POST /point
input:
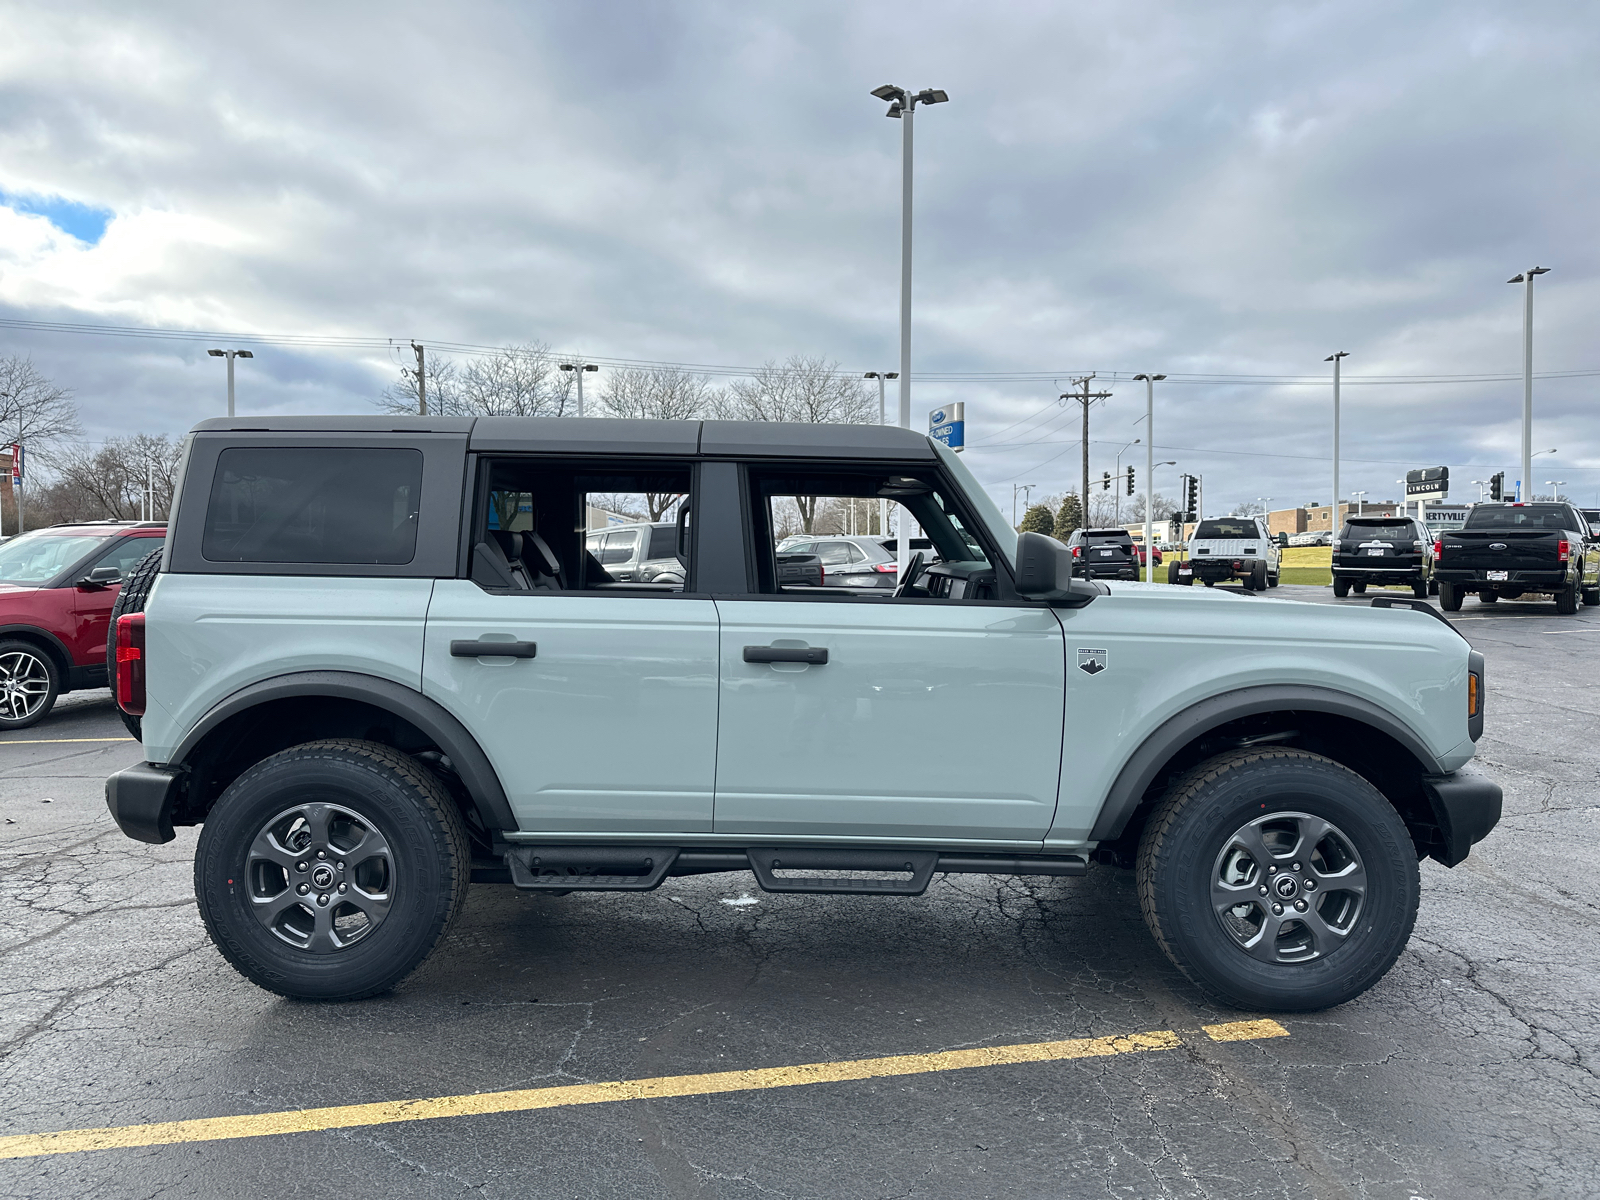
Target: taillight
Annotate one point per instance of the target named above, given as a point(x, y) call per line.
point(1438, 549)
point(1563, 549)
point(1472, 695)
point(130, 664)
point(1077, 551)
point(887, 568)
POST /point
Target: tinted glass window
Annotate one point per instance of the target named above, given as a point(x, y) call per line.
point(1227, 529)
point(126, 554)
point(619, 546)
point(1525, 516)
point(1400, 531)
point(663, 541)
point(834, 554)
point(36, 557)
point(277, 504)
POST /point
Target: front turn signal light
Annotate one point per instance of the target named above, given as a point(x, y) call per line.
point(1473, 697)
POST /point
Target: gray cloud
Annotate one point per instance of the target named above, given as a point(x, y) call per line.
point(1225, 189)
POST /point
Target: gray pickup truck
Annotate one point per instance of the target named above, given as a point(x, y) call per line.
point(1512, 550)
point(377, 661)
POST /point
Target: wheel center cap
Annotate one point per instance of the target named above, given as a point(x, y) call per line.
point(322, 877)
point(1286, 886)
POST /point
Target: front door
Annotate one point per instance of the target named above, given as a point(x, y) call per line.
point(934, 714)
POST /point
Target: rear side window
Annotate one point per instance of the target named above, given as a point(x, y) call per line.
point(663, 541)
point(280, 504)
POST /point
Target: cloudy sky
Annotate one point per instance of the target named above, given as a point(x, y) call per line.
point(1230, 190)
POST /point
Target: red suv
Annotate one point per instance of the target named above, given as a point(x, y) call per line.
point(57, 586)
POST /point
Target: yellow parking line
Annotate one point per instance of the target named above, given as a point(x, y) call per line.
point(58, 741)
point(213, 1129)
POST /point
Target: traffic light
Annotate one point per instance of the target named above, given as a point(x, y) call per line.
point(1130, 481)
point(1105, 481)
point(1497, 486)
point(1191, 496)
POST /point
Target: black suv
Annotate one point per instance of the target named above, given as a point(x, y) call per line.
point(1383, 550)
point(1103, 554)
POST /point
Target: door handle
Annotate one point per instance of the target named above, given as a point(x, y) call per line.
point(480, 649)
point(817, 656)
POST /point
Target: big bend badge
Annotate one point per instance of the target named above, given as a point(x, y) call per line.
point(1092, 662)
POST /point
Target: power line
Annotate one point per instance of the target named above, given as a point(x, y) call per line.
point(355, 342)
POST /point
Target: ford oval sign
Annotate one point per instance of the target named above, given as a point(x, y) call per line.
point(948, 425)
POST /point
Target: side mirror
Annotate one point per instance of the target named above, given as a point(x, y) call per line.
point(100, 578)
point(1044, 572)
point(799, 570)
point(1283, 540)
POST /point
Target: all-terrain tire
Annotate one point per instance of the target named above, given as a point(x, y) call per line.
point(1194, 833)
point(1449, 597)
point(427, 866)
point(131, 599)
point(1341, 588)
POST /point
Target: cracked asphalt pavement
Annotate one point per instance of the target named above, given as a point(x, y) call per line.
point(1470, 1071)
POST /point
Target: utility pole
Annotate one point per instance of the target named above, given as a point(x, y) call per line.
point(422, 381)
point(1086, 398)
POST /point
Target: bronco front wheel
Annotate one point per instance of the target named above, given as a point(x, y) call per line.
point(330, 870)
point(1278, 879)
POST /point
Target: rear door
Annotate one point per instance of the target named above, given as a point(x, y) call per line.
point(603, 719)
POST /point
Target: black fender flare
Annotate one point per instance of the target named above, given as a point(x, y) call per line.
point(1178, 731)
point(450, 735)
point(63, 655)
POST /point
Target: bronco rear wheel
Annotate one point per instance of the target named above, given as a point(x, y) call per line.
point(1278, 879)
point(329, 871)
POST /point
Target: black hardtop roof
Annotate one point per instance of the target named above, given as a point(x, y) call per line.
point(609, 435)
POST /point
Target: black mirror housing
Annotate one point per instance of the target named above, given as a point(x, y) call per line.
point(1044, 572)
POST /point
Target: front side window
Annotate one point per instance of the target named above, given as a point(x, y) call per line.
point(281, 504)
point(126, 554)
point(619, 546)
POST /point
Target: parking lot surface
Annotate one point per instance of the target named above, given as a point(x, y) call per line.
point(1469, 1071)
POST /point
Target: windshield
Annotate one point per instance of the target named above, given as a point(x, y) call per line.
point(994, 521)
point(1227, 529)
point(1522, 516)
point(37, 557)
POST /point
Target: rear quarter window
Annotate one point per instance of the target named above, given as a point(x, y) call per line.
point(307, 504)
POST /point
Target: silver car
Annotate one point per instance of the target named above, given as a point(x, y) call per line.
point(848, 560)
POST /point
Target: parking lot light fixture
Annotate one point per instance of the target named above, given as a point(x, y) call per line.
point(1149, 468)
point(903, 106)
point(1555, 486)
point(1361, 500)
point(230, 355)
point(579, 368)
point(1333, 513)
point(1526, 279)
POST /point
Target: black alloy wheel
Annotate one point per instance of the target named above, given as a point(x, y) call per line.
point(329, 871)
point(1278, 879)
point(30, 681)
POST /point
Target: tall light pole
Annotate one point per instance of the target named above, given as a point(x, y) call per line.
point(903, 106)
point(1149, 467)
point(580, 368)
point(1526, 279)
point(1555, 486)
point(230, 355)
point(1361, 499)
point(1027, 494)
point(1333, 513)
point(883, 419)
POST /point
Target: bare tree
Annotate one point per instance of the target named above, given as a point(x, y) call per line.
point(805, 388)
point(33, 409)
point(656, 393)
point(514, 381)
point(1248, 508)
point(1164, 508)
point(109, 481)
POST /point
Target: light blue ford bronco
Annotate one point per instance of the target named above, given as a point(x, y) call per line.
point(377, 663)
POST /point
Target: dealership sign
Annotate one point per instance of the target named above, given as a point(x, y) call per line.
point(949, 425)
point(1428, 483)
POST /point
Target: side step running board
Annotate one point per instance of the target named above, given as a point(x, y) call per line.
point(589, 868)
point(919, 863)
